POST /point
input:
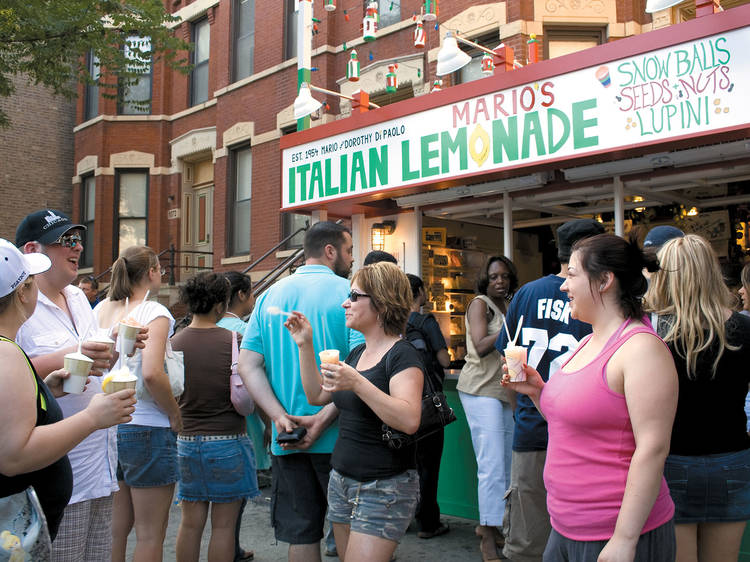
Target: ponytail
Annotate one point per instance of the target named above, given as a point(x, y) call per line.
point(129, 270)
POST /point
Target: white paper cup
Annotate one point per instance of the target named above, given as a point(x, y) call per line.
point(515, 357)
point(128, 334)
point(79, 366)
point(103, 338)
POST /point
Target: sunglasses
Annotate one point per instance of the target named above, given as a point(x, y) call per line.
point(69, 240)
point(354, 295)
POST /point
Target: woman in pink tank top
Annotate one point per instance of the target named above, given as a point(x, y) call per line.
point(610, 410)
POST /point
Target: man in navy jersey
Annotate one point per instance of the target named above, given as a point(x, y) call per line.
point(550, 336)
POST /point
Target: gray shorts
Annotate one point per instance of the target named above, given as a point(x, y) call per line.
point(658, 545)
point(382, 508)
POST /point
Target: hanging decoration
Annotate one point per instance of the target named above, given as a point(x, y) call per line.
point(533, 49)
point(488, 64)
point(437, 85)
point(330, 5)
point(419, 38)
point(369, 23)
point(391, 82)
point(352, 67)
point(430, 10)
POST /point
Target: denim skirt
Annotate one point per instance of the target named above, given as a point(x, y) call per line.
point(710, 488)
point(147, 456)
point(216, 468)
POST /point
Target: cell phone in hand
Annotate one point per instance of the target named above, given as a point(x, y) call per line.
point(291, 436)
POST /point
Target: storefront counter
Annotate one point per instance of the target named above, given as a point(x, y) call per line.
point(457, 486)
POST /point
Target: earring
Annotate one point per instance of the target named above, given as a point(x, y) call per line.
point(601, 287)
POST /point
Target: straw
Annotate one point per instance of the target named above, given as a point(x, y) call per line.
point(145, 297)
point(518, 330)
point(127, 306)
point(80, 343)
point(507, 333)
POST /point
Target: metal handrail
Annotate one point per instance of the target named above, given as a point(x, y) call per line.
point(269, 278)
point(277, 246)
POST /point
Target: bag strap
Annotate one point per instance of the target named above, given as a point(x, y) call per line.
point(40, 395)
point(235, 353)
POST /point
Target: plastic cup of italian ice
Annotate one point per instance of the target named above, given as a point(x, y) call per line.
point(79, 366)
point(515, 357)
point(329, 356)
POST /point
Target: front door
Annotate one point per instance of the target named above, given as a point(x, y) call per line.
point(198, 197)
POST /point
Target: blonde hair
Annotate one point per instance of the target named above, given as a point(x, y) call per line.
point(390, 294)
point(689, 287)
point(129, 270)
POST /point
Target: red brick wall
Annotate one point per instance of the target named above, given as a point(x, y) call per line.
point(36, 154)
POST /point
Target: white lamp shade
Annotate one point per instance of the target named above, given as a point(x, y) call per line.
point(450, 57)
point(656, 5)
point(305, 104)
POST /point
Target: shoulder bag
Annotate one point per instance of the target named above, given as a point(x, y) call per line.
point(174, 366)
point(23, 528)
point(436, 414)
point(241, 400)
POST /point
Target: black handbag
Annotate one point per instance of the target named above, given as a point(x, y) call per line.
point(436, 414)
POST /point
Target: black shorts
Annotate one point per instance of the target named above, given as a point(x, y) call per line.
point(299, 496)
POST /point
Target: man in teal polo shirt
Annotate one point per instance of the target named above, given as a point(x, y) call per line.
point(269, 367)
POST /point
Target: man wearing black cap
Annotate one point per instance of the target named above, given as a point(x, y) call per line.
point(550, 336)
point(63, 316)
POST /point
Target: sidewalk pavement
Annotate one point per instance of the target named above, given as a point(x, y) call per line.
point(460, 544)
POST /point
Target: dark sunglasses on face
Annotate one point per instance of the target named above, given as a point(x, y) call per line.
point(354, 295)
point(69, 240)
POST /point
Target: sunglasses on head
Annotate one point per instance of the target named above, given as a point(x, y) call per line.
point(69, 240)
point(354, 295)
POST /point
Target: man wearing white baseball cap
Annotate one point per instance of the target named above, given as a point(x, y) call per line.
point(63, 316)
point(35, 438)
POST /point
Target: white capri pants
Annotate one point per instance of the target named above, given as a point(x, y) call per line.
point(491, 424)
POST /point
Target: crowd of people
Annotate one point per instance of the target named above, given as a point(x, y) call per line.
point(627, 438)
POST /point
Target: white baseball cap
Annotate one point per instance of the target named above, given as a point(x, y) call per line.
point(15, 267)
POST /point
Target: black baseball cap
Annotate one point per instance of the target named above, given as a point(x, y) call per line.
point(660, 235)
point(571, 232)
point(44, 226)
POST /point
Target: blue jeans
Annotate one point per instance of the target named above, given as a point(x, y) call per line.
point(710, 488)
point(216, 468)
point(147, 455)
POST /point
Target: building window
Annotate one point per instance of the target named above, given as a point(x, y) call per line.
point(91, 98)
point(244, 38)
point(291, 8)
point(132, 193)
point(88, 201)
point(290, 222)
point(239, 203)
point(199, 75)
point(559, 40)
point(389, 12)
point(135, 92)
point(473, 70)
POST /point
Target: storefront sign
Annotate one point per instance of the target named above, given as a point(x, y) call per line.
point(686, 89)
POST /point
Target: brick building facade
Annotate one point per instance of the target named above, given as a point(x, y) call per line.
point(200, 169)
point(36, 152)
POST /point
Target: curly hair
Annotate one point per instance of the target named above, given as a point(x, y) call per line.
point(204, 291)
point(390, 294)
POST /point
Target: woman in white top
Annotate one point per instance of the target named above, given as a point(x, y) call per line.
point(147, 450)
point(489, 406)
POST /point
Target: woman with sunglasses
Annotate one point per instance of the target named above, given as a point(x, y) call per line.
point(373, 489)
point(147, 447)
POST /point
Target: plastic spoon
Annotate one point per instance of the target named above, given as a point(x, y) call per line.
point(518, 330)
point(277, 310)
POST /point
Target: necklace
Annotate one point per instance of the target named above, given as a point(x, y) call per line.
point(233, 314)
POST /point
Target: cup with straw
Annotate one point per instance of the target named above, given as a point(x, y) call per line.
point(79, 366)
point(515, 355)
